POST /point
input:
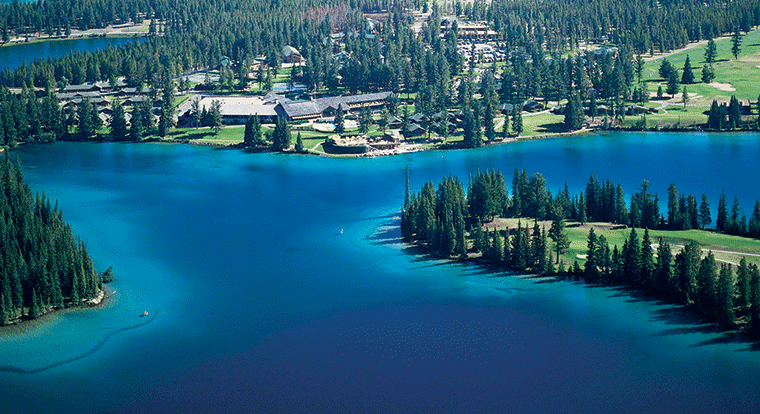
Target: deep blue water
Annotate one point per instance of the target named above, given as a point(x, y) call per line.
point(276, 283)
point(14, 55)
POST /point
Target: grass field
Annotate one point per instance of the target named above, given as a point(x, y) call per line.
point(726, 248)
point(740, 74)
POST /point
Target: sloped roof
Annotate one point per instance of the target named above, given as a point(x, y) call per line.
point(317, 106)
point(290, 50)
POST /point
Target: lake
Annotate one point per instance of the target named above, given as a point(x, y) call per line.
point(14, 55)
point(277, 283)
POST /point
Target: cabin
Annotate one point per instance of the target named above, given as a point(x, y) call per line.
point(395, 122)
point(507, 108)
point(532, 106)
point(291, 54)
point(415, 130)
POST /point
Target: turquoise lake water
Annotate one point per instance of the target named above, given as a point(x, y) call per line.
point(277, 283)
point(14, 55)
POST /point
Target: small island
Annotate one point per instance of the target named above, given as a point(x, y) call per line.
point(44, 266)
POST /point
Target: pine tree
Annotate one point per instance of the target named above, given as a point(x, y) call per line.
point(195, 112)
point(721, 222)
point(725, 299)
point(591, 270)
point(672, 83)
point(519, 258)
point(34, 307)
point(705, 299)
point(630, 258)
point(136, 127)
point(166, 118)
point(574, 113)
point(754, 314)
point(754, 222)
point(299, 143)
point(704, 212)
point(76, 290)
point(687, 77)
point(736, 43)
point(4, 318)
point(646, 271)
point(281, 136)
point(248, 136)
point(537, 249)
point(517, 121)
point(708, 74)
point(734, 113)
point(339, 122)
point(663, 270)
point(743, 284)
point(559, 236)
point(87, 127)
point(118, 124)
point(216, 115)
point(686, 268)
point(711, 52)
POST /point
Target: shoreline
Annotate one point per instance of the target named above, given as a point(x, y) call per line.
point(120, 30)
point(384, 153)
point(20, 325)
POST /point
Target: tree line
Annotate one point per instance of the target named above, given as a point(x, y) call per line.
point(44, 266)
point(716, 291)
point(450, 222)
point(391, 56)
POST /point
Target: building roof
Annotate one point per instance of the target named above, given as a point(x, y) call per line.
point(240, 106)
point(80, 88)
point(290, 50)
point(296, 109)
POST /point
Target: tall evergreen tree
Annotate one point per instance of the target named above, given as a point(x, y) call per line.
point(591, 269)
point(646, 260)
point(711, 52)
point(734, 113)
point(574, 113)
point(725, 297)
point(631, 258)
point(86, 114)
point(299, 143)
point(688, 75)
point(736, 43)
point(705, 299)
point(118, 123)
point(743, 284)
point(663, 270)
point(559, 236)
point(248, 134)
point(686, 268)
point(754, 314)
point(704, 212)
point(339, 122)
point(721, 222)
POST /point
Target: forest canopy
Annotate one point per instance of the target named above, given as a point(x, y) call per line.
point(44, 266)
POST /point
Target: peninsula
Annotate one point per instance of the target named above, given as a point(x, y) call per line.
point(715, 272)
point(44, 266)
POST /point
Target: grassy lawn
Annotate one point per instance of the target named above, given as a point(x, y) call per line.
point(672, 116)
point(228, 135)
point(741, 74)
point(725, 247)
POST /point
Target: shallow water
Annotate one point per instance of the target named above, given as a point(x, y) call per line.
point(276, 284)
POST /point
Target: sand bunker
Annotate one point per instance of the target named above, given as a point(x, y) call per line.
point(723, 86)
